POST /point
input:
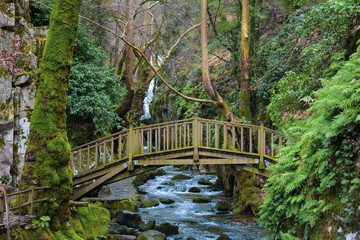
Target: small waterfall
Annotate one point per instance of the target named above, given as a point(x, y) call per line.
point(147, 101)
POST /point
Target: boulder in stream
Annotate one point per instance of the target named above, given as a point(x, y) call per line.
point(201, 200)
point(127, 218)
point(223, 237)
point(223, 205)
point(148, 226)
point(204, 182)
point(152, 235)
point(194, 190)
point(167, 229)
point(149, 203)
point(166, 201)
point(121, 237)
point(180, 176)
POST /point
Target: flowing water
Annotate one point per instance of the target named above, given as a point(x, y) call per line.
point(198, 220)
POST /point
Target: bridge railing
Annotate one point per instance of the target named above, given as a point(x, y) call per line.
point(100, 152)
point(195, 133)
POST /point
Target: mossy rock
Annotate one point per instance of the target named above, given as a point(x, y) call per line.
point(180, 176)
point(149, 203)
point(194, 190)
point(166, 201)
point(144, 177)
point(204, 182)
point(223, 206)
point(182, 168)
point(167, 229)
point(115, 205)
point(152, 235)
point(129, 219)
point(148, 226)
point(201, 200)
point(126, 231)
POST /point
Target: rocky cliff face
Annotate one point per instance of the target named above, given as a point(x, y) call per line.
point(20, 51)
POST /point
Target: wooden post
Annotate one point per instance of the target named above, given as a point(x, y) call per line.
point(2, 208)
point(261, 146)
point(31, 201)
point(131, 148)
point(196, 139)
point(216, 136)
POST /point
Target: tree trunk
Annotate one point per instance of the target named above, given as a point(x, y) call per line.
point(245, 63)
point(204, 52)
point(129, 76)
point(48, 151)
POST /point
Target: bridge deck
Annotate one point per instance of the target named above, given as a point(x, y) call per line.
point(190, 141)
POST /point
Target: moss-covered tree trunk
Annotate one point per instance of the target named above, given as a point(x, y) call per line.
point(245, 62)
point(48, 151)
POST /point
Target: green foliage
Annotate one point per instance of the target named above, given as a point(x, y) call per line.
point(44, 221)
point(40, 14)
point(317, 175)
point(319, 33)
point(94, 89)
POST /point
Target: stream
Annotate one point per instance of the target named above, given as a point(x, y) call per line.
point(198, 220)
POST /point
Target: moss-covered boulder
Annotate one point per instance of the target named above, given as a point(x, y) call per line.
point(180, 176)
point(167, 228)
point(166, 201)
point(204, 182)
point(115, 205)
point(194, 190)
point(129, 219)
point(149, 203)
point(152, 235)
point(126, 231)
point(223, 206)
point(201, 200)
point(144, 177)
point(148, 226)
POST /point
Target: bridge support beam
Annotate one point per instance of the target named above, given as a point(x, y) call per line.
point(261, 146)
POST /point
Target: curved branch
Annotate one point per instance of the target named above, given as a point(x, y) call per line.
point(150, 65)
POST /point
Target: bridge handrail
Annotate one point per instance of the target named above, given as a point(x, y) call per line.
point(196, 133)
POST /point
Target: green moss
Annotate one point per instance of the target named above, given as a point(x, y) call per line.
point(146, 203)
point(180, 176)
point(113, 206)
point(48, 152)
point(2, 142)
point(201, 200)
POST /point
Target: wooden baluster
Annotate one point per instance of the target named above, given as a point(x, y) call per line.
point(176, 136)
point(88, 157)
point(167, 138)
point(96, 154)
point(196, 156)
point(216, 136)
point(207, 135)
point(201, 136)
point(31, 201)
point(120, 146)
point(159, 131)
point(156, 145)
point(164, 139)
point(150, 141)
point(262, 139)
point(141, 141)
point(2, 207)
point(131, 148)
point(104, 153)
point(184, 126)
point(72, 161)
point(180, 138)
point(280, 141)
point(233, 137)
point(272, 144)
point(225, 137)
point(242, 139)
point(250, 137)
point(188, 135)
point(112, 149)
point(80, 160)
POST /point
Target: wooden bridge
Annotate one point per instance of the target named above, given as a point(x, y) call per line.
point(191, 141)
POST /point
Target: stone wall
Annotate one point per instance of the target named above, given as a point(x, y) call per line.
point(20, 48)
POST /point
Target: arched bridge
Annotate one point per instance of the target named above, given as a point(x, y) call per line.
point(190, 141)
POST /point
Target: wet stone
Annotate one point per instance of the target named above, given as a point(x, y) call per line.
point(194, 190)
point(167, 229)
point(129, 219)
point(152, 235)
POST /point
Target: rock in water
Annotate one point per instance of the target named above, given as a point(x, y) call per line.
point(194, 189)
point(129, 219)
point(223, 206)
point(180, 176)
point(149, 203)
point(204, 182)
point(223, 237)
point(167, 228)
point(152, 235)
point(201, 200)
point(148, 226)
point(166, 201)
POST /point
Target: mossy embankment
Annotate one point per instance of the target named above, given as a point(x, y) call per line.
point(86, 222)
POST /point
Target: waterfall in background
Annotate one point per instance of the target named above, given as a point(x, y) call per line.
point(147, 101)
